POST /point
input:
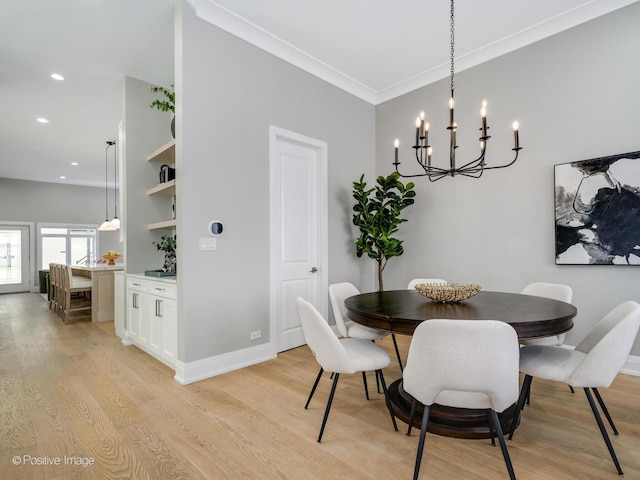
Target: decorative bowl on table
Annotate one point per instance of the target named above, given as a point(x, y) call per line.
point(112, 256)
point(448, 292)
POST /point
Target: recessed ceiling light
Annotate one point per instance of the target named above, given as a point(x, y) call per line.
point(57, 76)
point(42, 120)
point(75, 164)
point(63, 177)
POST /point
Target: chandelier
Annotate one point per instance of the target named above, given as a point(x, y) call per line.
point(423, 150)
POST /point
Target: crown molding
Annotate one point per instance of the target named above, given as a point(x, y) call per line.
point(225, 19)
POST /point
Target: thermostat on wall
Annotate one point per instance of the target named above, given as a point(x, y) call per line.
point(215, 227)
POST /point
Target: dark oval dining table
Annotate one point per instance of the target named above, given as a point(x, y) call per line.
point(401, 311)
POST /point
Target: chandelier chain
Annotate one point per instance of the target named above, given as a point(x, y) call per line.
point(452, 45)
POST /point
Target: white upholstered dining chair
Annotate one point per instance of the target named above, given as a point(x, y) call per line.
point(463, 364)
point(338, 293)
point(593, 364)
point(555, 291)
point(345, 355)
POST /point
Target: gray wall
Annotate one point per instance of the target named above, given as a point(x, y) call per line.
point(230, 93)
point(41, 202)
point(576, 97)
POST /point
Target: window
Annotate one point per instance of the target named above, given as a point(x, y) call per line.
point(66, 244)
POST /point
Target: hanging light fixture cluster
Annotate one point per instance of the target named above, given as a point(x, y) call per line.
point(114, 224)
point(474, 168)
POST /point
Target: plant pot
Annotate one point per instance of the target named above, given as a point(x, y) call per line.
point(170, 262)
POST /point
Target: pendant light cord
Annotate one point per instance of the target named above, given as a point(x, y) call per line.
point(106, 178)
point(115, 180)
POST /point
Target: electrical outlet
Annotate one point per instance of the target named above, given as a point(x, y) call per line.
point(255, 335)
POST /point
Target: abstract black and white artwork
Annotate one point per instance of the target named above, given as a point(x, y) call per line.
point(597, 205)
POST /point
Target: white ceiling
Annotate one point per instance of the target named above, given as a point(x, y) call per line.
point(374, 49)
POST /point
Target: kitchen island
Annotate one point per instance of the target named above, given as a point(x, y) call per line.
point(102, 297)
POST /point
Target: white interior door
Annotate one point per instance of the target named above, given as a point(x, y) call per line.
point(14, 258)
point(298, 233)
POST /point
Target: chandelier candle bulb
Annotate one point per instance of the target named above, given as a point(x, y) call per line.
point(417, 131)
point(515, 134)
point(396, 144)
point(451, 105)
point(426, 135)
point(483, 114)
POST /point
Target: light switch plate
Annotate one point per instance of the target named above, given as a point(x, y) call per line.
point(207, 243)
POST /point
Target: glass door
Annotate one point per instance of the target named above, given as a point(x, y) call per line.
point(14, 258)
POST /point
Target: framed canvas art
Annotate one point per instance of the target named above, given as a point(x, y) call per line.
point(597, 211)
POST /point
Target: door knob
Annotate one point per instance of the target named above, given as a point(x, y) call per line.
point(313, 270)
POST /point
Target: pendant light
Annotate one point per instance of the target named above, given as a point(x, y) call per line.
point(106, 225)
point(115, 221)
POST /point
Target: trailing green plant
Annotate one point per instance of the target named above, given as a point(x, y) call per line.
point(377, 215)
point(168, 103)
point(167, 243)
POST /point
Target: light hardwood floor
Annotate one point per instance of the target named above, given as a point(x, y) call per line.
point(74, 392)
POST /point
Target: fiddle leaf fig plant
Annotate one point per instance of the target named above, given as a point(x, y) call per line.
point(377, 215)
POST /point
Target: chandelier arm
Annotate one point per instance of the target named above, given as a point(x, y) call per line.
point(472, 173)
point(473, 163)
point(412, 176)
point(517, 150)
point(435, 178)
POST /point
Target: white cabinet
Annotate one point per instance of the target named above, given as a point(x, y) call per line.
point(152, 317)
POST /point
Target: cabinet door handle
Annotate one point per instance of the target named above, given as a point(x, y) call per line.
point(135, 300)
point(136, 284)
point(160, 289)
point(158, 308)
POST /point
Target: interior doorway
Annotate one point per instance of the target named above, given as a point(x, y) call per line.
point(298, 236)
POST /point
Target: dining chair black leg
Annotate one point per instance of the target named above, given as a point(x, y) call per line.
point(313, 389)
point(603, 430)
point(492, 432)
point(386, 398)
point(423, 433)
point(366, 389)
point(571, 388)
point(495, 421)
point(395, 345)
point(524, 391)
point(605, 410)
point(377, 381)
point(326, 412)
point(412, 415)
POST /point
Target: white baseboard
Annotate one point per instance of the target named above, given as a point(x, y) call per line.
point(632, 366)
point(190, 372)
